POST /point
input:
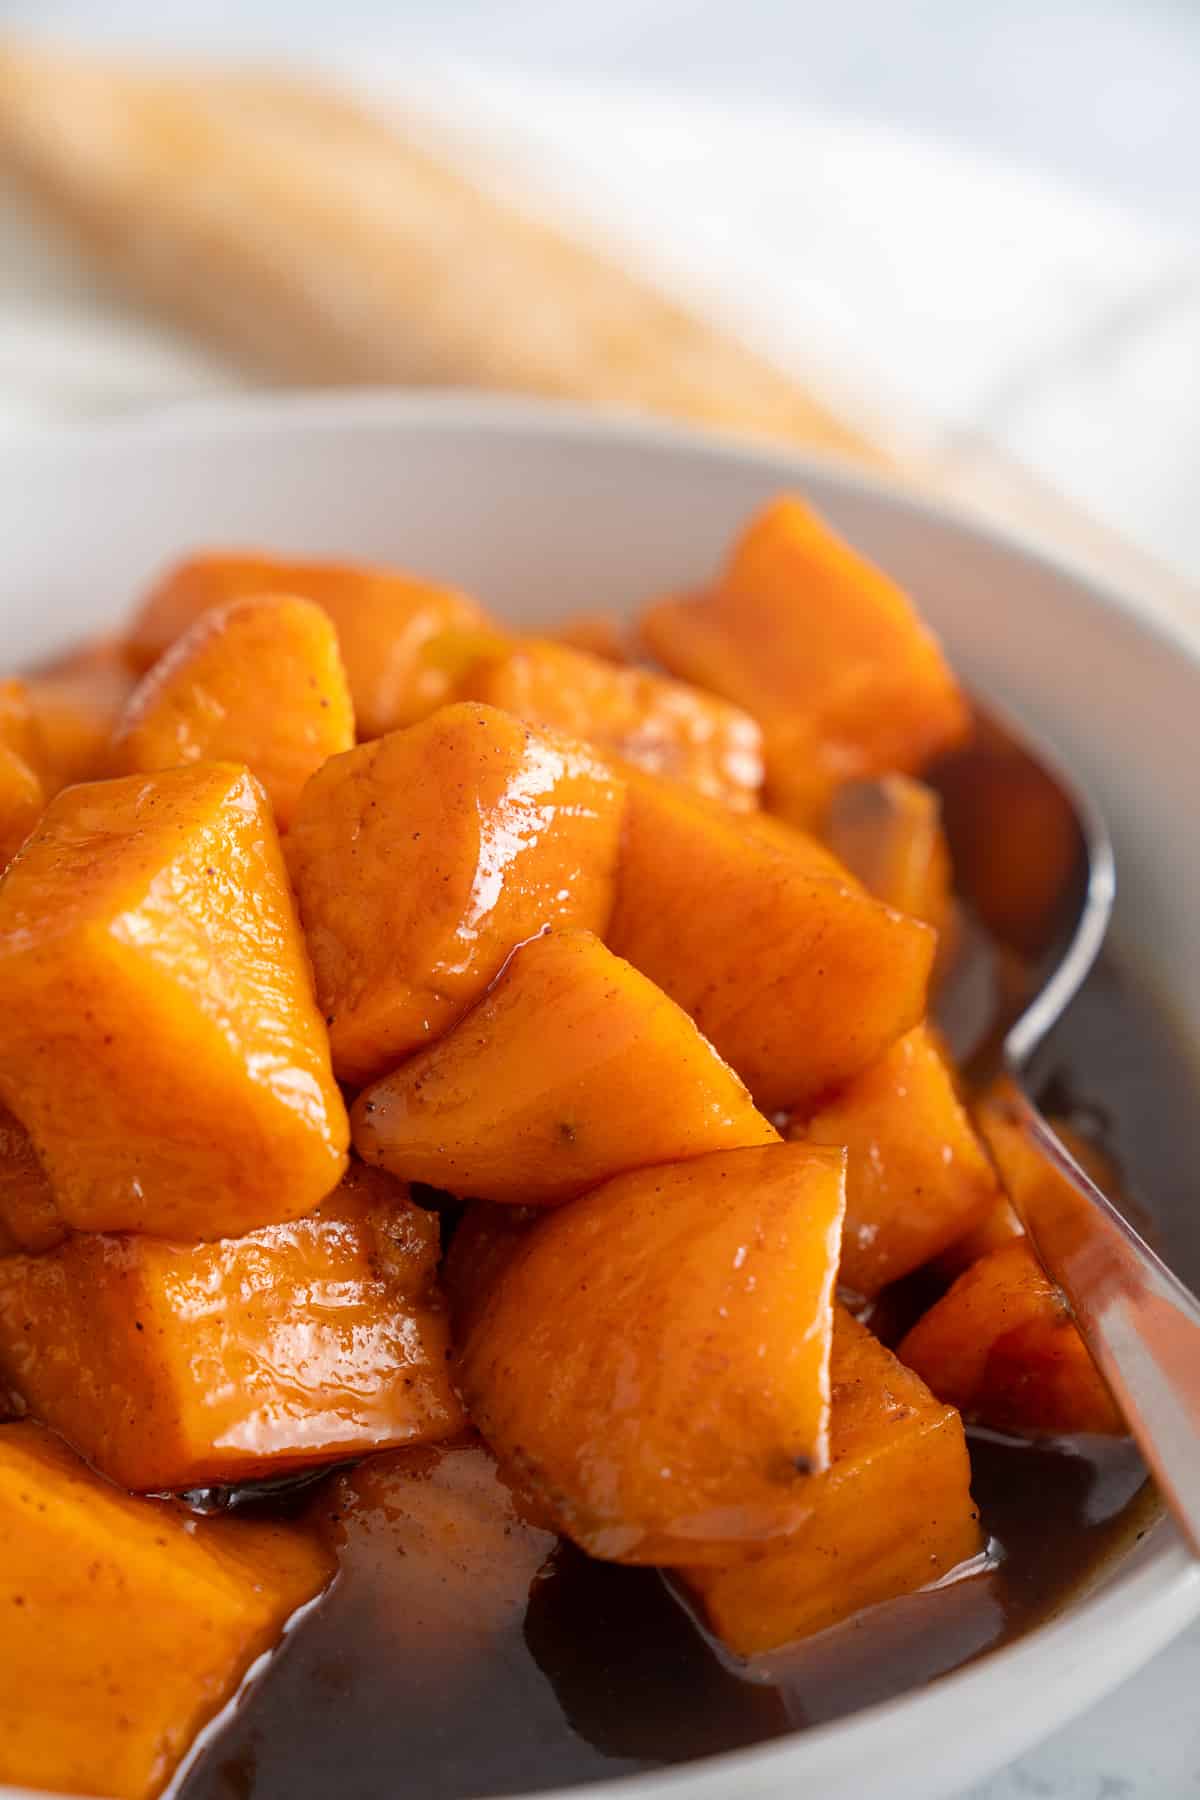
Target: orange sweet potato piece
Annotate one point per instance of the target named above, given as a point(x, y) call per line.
point(652, 1361)
point(128, 1624)
point(823, 649)
point(422, 860)
point(439, 1543)
point(22, 802)
point(663, 726)
point(892, 1514)
point(177, 1365)
point(159, 1040)
point(258, 682)
point(889, 833)
point(995, 796)
point(1001, 1345)
point(75, 710)
point(29, 1215)
point(1023, 1171)
point(572, 1068)
point(798, 980)
point(917, 1177)
point(383, 618)
point(599, 633)
point(18, 726)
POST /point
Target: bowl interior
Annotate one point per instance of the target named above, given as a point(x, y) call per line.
point(538, 512)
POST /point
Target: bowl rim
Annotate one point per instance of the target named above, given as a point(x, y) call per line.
point(1136, 1612)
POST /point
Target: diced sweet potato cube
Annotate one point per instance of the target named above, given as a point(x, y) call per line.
point(422, 860)
point(75, 710)
point(18, 726)
point(572, 1068)
point(599, 633)
point(917, 1176)
point(1001, 1344)
point(1023, 1171)
point(823, 649)
point(889, 833)
point(798, 980)
point(995, 796)
point(22, 802)
point(29, 1215)
point(652, 1363)
point(383, 618)
point(258, 682)
point(159, 1040)
point(663, 726)
point(441, 1541)
point(892, 1514)
point(178, 1365)
point(127, 1623)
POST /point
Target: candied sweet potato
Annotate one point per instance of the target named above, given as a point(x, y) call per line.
point(22, 802)
point(892, 1513)
point(1002, 1345)
point(258, 682)
point(571, 1069)
point(29, 1215)
point(917, 1177)
point(823, 649)
point(127, 1624)
point(799, 980)
point(18, 726)
point(599, 633)
point(1023, 1172)
point(423, 859)
point(889, 833)
point(441, 1539)
point(159, 1041)
point(383, 619)
point(484, 1239)
point(665, 727)
point(75, 710)
point(652, 1362)
point(178, 1365)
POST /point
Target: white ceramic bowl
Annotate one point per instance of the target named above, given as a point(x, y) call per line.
point(538, 510)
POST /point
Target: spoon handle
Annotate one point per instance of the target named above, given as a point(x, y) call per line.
point(1141, 1324)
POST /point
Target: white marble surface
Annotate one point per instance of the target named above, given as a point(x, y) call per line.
point(978, 223)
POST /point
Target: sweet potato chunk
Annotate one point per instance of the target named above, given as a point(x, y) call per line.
point(383, 618)
point(22, 801)
point(652, 1362)
point(571, 1069)
point(1002, 1346)
point(75, 710)
point(127, 1624)
point(421, 861)
point(892, 1514)
point(599, 633)
point(917, 1176)
point(159, 1040)
point(18, 726)
point(889, 833)
point(442, 1539)
point(798, 980)
point(258, 682)
point(823, 649)
point(1023, 1171)
point(663, 726)
point(29, 1215)
point(484, 1240)
point(177, 1365)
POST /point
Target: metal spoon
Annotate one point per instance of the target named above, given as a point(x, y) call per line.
point(1007, 795)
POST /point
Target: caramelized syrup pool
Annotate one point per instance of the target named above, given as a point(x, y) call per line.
point(603, 1672)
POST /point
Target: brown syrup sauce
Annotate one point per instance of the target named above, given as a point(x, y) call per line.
point(605, 1672)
